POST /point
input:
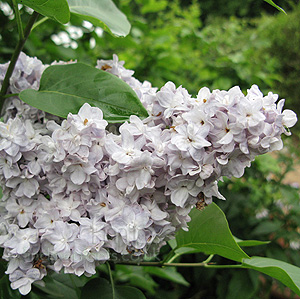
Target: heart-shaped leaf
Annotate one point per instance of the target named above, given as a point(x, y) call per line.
point(57, 10)
point(209, 232)
point(284, 272)
point(102, 13)
point(65, 88)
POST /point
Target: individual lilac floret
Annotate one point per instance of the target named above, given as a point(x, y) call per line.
point(22, 281)
point(182, 190)
point(22, 240)
point(89, 120)
point(131, 225)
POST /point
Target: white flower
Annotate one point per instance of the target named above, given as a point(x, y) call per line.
point(12, 136)
point(93, 230)
point(22, 240)
point(131, 224)
point(172, 99)
point(182, 189)
point(191, 138)
point(62, 237)
point(22, 208)
point(8, 165)
point(22, 281)
point(89, 119)
point(128, 149)
point(24, 185)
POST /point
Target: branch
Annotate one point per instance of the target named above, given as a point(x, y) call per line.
point(15, 56)
point(160, 264)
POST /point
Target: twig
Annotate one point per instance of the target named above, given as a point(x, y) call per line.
point(18, 19)
point(111, 280)
point(160, 264)
point(15, 57)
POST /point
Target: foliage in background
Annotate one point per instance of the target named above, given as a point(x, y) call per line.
point(283, 34)
point(171, 43)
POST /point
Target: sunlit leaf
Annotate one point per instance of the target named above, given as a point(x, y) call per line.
point(102, 13)
point(209, 233)
point(65, 88)
point(57, 10)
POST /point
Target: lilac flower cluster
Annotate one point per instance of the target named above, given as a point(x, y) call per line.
point(75, 194)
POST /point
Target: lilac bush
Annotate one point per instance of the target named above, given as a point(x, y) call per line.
point(79, 191)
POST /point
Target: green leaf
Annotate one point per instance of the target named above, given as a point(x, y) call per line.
point(168, 273)
point(6, 291)
point(249, 243)
point(153, 6)
point(266, 227)
point(61, 285)
point(65, 88)
point(100, 288)
point(275, 5)
point(241, 286)
point(58, 10)
point(172, 243)
point(136, 276)
point(284, 272)
point(102, 13)
point(209, 232)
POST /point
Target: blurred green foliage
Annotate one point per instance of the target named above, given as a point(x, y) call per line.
point(283, 34)
point(196, 44)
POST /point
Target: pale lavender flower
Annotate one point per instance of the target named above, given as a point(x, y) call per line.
point(8, 166)
point(22, 281)
point(22, 240)
point(22, 209)
point(25, 185)
point(13, 136)
point(89, 120)
point(62, 237)
point(131, 224)
point(182, 190)
point(191, 138)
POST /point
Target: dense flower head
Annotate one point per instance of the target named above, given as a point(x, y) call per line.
point(76, 193)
